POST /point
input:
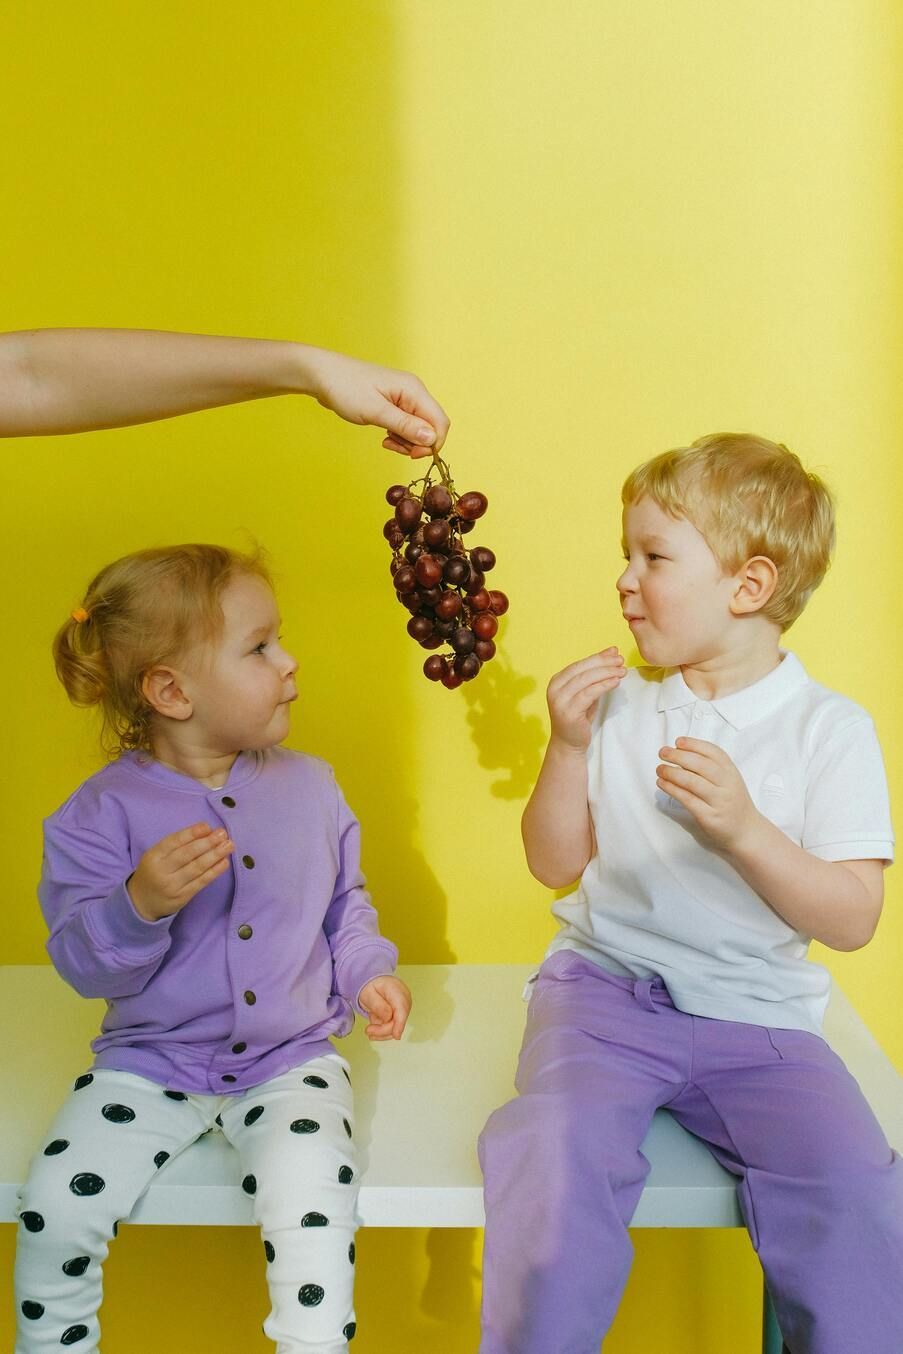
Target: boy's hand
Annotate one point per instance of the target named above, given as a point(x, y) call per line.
point(702, 777)
point(573, 693)
point(179, 866)
point(387, 1001)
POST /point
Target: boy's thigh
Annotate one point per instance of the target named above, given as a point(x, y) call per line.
point(295, 1138)
point(780, 1101)
point(110, 1136)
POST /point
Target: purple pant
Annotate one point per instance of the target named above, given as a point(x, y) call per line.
point(820, 1189)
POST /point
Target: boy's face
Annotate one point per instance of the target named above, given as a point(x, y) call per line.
point(673, 590)
point(242, 690)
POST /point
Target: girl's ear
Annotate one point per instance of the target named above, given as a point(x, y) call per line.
point(164, 693)
point(756, 583)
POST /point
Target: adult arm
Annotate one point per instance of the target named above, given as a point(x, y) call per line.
point(73, 380)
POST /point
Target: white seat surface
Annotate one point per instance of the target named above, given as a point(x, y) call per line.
point(420, 1104)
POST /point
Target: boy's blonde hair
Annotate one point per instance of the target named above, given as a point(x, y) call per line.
point(747, 496)
point(151, 607)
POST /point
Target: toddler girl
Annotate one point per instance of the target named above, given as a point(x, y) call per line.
point(207, 884)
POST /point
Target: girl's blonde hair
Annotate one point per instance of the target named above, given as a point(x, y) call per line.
point(147, 608)
point(747, 496)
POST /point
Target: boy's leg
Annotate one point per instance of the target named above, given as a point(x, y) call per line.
point(562, 1164)
point(820, 1188)
point(294, 1137)
point(105, 1145)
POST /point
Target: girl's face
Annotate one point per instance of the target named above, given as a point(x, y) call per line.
point(241, 694)
point(673, 591)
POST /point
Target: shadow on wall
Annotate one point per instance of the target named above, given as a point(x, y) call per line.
point(506, 739)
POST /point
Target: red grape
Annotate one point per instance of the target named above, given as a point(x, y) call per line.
point(449, 605)
point(462, 640)
point(479, 601)
point(437, 501)
point(467, 666)
point(485, 625)
point(498, 602)
point(436, 534)
point(451, 679)
point(472, 505)
point(394, 493)
point(428, 570)
point(408, 512)
point(484, 649)
point(435, 667)
point(420, 627)
point(484, 559)
point(457, 570)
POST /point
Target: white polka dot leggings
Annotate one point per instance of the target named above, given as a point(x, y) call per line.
point(293, 1136)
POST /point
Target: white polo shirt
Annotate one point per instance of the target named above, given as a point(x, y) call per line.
point(659, 898)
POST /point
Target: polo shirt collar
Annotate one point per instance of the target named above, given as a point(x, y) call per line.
point(746, 706)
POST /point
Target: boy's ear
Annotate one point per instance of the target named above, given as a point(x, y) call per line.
point(756, 583)
point(163, 692)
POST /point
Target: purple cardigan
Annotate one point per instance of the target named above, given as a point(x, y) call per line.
point(252, 977)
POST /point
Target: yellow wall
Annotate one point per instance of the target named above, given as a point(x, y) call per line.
point(598, 230)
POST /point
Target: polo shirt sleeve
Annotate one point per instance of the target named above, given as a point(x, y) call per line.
point(847, 813)
point(98, 943)
point(359, 952)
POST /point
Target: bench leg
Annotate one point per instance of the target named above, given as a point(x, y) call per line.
point(772, 1341)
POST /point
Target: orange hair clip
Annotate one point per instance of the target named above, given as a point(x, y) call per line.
point(79, 614)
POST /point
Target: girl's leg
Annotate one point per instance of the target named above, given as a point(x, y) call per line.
point(294, 1135)
point(562, 1163)
point(108, 1140)
point(821, 1189)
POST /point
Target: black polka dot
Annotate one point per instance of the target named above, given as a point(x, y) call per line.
point(54, 1148)
point(316, 1081)
point(73, 1335)
point(269, 1251)
point(311, 1295)
point(249, 1184)
point(33, 1222)
point(305, 1126)
point(253, 1115)
point(346, 1175)
point(176, 1095)
point(351, 1252)
point(118, 1114)
point(314, 1220)
point(82, 1081)
point(85, 1183)
point(115, 1228)
point(160, 1158)
point(347, 1127)
point(76, 1268)
point(32, 1310)
point(345, 1075)
point(219, 1120)
point(350, 1330)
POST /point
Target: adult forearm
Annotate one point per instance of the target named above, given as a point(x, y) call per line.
point(556, 825)
point(70, 380)
point(820, 898)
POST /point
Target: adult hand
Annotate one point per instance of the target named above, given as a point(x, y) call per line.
point(387, 1001)
point(572, 695)
point(170, 873)
point(362, 392)
point(702, 777)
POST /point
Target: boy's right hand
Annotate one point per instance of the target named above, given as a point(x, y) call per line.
point(170, 873)
point(573, 693)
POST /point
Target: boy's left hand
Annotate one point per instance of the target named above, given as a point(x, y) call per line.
point(702, 777)
point(387, 1001)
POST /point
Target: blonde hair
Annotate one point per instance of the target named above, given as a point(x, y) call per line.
point(747, 496)
point(147, 608)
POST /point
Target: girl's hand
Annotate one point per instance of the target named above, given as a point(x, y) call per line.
point(702, 777)
point(362, 392)
point(179, 866)
point(387, 1001)
point(573, 693)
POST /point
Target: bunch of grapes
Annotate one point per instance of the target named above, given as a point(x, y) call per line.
point(440, 581)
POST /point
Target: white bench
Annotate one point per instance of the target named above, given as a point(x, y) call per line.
point(420, 1106)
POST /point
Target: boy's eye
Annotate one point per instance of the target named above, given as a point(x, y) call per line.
point(263, 643)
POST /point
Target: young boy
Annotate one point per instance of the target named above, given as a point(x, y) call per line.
point(721, 809)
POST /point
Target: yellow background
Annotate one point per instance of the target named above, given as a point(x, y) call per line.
point(597, 230)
